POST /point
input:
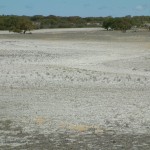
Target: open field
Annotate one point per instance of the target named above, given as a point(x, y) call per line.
point(75, 89)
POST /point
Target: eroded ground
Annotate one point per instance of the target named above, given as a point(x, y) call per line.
point(75, 89)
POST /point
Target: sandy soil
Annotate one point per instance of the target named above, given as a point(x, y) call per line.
point(75, 89)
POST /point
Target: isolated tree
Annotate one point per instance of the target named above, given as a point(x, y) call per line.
point(122, 24)
point(19, 24)
point(25, 25)
point(108, 23)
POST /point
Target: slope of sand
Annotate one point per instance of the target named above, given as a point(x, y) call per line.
point(74, 83)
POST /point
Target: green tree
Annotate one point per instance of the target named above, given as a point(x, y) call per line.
point(108, 23)
point(2, 24)
point(118, 23)
point(11, 23)
point(19, 24)
point(124, 24)
point(25, 24)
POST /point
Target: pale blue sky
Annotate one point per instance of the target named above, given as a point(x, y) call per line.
point(81, 8)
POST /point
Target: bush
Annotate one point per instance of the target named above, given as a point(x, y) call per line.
point(118, 24)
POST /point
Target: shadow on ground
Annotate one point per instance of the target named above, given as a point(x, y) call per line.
point(14, 138)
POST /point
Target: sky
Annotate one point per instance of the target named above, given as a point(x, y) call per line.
point(82, 8)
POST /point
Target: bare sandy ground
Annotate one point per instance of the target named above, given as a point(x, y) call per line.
point(75, 89)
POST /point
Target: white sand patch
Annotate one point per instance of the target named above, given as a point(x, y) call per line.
point(90, 83)
point(62, 30)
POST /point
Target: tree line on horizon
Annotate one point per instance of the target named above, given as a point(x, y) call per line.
point(22, 24)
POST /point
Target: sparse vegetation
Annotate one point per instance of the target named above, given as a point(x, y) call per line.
point(21, 24)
